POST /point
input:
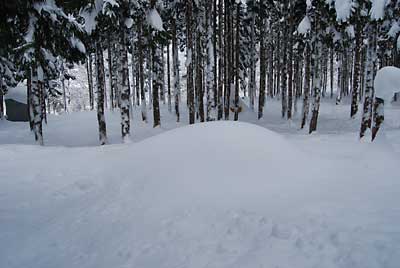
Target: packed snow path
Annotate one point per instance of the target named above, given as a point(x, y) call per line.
point(220, 194)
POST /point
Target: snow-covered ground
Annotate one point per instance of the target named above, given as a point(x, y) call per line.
point(220, 194)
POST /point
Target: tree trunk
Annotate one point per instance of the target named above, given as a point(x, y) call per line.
point(157, 83)
point(124, 88)
point(1, 99)
point(307, 78)
point(284, 72)
point(237, 65)
point(141, 72)
point(357, 67)
point(175, 63)
point(253, 62)
point(263, 70)
point(290, 68)
point(221, 70)
point(371, 57)
point(89, 69)
point(189, 55)
point(169, 79)
point(210, 79)
point(100, 94)
point(316, 78)
point(37, 77)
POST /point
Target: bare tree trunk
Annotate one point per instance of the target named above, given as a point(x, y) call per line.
point(169, 79)
point(100, 94)
point(157, 83)
point(210, 70)
point(307, 78)
point(263, 70)
point(290, 67)
point(284, 72)
point(371, 57)
point(357, 67)
point(29, 97)
point(112, 78)
point(237, 67)
point(189, 55)
point(378, 116)
point(221, 70)
point(141, 71)
point(253, 61)
point(89, 69)
point(316, 78)
point(1, 99)
point(37, 77)
point(124, 88)
point(175, 63)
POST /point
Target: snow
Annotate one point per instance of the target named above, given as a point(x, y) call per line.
point(219, 194)
point(394, 30)
point(154, 20)
point(343, 9)
point(378, 9)
point(387, 82)
point(129, 23)
point(76, 43)
point(304, 26)
point(18, 93)
point(398, 43)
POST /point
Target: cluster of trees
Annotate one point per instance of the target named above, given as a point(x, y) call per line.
point(292, 50)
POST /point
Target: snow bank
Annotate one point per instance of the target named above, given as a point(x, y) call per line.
point(387, 82)
point(220, 194)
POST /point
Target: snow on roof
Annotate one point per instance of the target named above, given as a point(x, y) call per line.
point(18, 93)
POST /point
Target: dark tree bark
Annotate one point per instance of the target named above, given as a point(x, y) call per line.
point(124, 88)
point(357, 67)
point(157, 83)
point(141, 71)
point(378, 116)
point(112, 76)
point(307, 78)
point(263, 70)
point(370, 65)
point(169, 79)
point(100, 94)
point(221, 70)
point(189, 36)
point(89, 69)
point(290, 67)
point(237, 66)
point(37, 76)
point(175, 63)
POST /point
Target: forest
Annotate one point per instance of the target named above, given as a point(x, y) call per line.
point(199, 133)
point(201, 57)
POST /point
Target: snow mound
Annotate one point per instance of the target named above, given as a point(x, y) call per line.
point(387, 82)
point(220, 194)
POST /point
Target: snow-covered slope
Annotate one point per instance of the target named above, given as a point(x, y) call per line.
point(220, 194)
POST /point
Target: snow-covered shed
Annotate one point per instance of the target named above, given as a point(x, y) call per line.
point(16, 104)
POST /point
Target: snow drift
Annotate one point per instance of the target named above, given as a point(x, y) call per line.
point(211, 195)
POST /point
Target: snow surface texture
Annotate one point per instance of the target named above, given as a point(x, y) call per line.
point(387, 82)
point(221, 194)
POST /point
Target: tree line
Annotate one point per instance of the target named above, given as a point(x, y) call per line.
point(297, 51)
